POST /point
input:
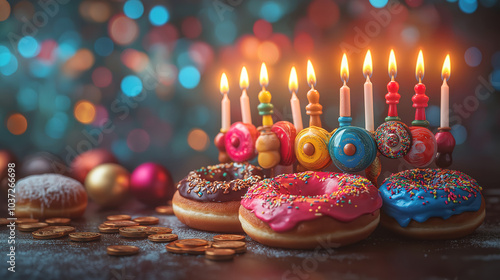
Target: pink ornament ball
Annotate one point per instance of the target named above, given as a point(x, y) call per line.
point(152, 184)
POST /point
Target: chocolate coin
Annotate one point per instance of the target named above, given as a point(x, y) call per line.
point(84, 236)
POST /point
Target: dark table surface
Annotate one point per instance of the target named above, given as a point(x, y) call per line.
point(382, 256)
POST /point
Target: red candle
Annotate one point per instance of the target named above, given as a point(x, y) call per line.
point(392, 97)
point(420, 100)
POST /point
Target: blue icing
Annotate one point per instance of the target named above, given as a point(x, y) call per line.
point(455, 193)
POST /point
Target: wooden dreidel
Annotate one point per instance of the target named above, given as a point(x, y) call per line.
point(220, 139)
point(423, 149)
point(268, 147)
point(444, 139)
point(268, 144)
point(311, 143)
point(393, 137)
point(352, 149)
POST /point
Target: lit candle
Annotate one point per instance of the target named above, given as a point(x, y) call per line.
point(345, 92)
point(367, 72)
point(225, 104)
point(244, 101)
point(313, 109)
point(266, 109)
point(293, 86)
point(392, 97)
point(445, 93)
point(420, 100)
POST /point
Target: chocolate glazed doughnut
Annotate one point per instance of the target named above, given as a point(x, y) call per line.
point(209, 198)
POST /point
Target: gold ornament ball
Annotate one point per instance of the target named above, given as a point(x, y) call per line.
point(108, 184)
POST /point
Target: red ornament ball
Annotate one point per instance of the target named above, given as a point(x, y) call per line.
point(152, 184)
point(87, 161)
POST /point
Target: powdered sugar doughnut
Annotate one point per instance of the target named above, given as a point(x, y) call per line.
point(50, 195)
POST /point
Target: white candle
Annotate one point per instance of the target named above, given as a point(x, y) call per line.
point(245, 107)
point(369, 122)
point(244, 101)
point(368, 93)
point(225, 104)
point(345, 101)
point(297, 116)
point(226, 113)
point(445, 93)
point(345, 92)
point(445, 104)
point(293, 86)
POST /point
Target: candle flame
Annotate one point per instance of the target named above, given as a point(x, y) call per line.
point(344, 69)
point(264, 80)
point(419, 70)
point(224, 85)
point(367, 65)
point(311, 76)
point(244, 78)
point(293, 84)
point(393, 68)
point(446, 72)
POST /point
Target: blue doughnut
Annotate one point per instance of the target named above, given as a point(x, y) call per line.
point(419, 194)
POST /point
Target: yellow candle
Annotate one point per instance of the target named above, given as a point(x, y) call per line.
point(265, 98)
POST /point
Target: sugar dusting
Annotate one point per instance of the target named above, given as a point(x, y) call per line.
point(48, 188)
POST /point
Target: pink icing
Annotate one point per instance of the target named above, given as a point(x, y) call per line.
point(284, 201)
point(240, 141)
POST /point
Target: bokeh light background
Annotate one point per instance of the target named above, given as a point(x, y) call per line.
point(141, 78)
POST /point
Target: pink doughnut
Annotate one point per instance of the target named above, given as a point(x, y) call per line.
point(240, 141)
point(298, 210)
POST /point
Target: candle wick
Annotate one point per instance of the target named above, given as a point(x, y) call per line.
point(392, 77)
point(419, 79)
point(345, 82)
